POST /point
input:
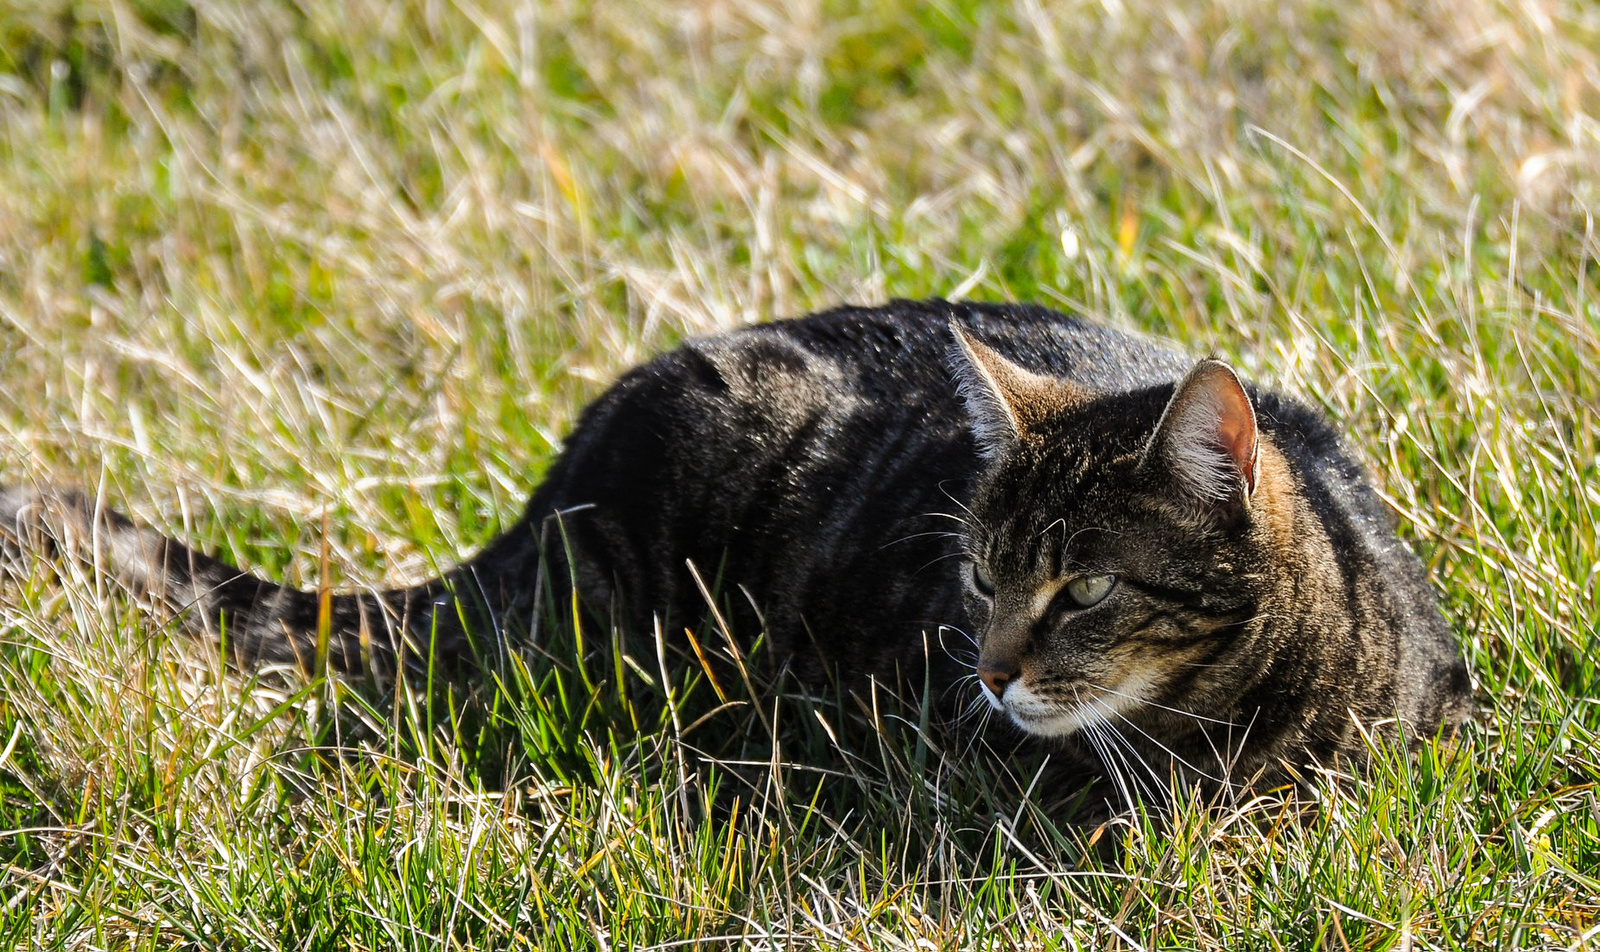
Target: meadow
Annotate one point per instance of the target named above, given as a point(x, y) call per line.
point(319, 285)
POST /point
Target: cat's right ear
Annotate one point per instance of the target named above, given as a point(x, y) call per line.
point(1004, 400)
point(1207, 438)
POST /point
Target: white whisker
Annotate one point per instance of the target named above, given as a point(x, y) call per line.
point(1104, 750)
point(1173, 710)
point(1125, 749)
point(964, 507)
point(971, 660)
point(936, 533)
point(1170, 752)
point(960, 520)
point(1105, 762)
point(1109, 758)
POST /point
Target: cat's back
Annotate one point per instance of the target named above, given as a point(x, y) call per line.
point(783, 388)
point(812, 464)
point(903, 350)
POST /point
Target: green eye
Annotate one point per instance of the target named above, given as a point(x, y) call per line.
point(981, 580)
point(1088, 590)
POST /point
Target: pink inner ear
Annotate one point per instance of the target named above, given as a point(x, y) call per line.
point(1208, 433)
point(1236, 423)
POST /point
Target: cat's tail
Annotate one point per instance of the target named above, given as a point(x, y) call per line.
point(434, 625)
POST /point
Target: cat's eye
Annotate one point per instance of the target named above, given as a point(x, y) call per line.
point(981, 580)
point(1089, 590)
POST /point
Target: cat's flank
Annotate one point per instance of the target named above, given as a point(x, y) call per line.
point(1135, 553)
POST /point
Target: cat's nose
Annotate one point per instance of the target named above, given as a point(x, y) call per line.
point(995, 677)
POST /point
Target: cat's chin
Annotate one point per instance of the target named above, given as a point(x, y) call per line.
point(1052, 725)
point(1042, 718)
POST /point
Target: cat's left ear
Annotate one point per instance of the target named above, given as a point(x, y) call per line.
point(1005, 401)
point(1207, 437)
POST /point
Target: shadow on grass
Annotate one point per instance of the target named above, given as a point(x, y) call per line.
point(728, 736)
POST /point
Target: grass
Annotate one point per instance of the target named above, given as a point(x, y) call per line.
point(320, 286)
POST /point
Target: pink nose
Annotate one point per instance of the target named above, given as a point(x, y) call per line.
point(995, 677)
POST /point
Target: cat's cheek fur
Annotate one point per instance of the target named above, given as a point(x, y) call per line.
point(1272, 504)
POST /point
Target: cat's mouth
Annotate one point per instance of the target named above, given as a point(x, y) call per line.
point(1067, 710)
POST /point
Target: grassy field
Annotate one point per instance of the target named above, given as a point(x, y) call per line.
point(320, 285)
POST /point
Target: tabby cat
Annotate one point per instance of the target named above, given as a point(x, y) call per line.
point(1136, 554)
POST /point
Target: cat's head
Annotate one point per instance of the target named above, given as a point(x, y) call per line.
point(1116, 543)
